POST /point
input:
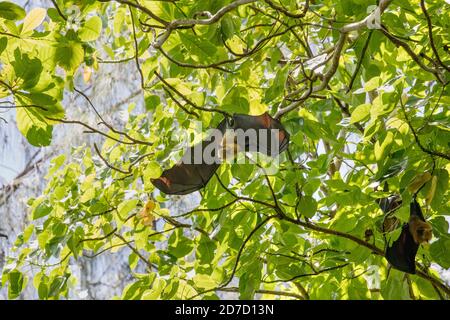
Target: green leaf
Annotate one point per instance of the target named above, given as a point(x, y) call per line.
point(381, 150)
point(249, 282)
point(205, 250)
point(27, 69)
point(11, 11)
point(126, 207)
point(236, 100)
point(372, 84)
point(441, 189)
point(204, 281)
point(277, 87)
point(396, 287)
point(17, 283)
point(69, 55)
point(307, 206)
point(43, 291)
point(56, 286)
point(179, 245)
point(439, 251)
point(3, 44)
point(91, 29)
point(360, 113)
point(41, 210)
point(202, 49)
point(152, 171)
point(32, 126)
point(227, 27)
point(151, 102)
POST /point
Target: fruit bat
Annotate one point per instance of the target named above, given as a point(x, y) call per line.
point(402, 253)
point(259, 134)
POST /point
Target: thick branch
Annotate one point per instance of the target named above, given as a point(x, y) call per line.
point(189, 22)
point(140, 8)
point(356, 26)
point(286, 12)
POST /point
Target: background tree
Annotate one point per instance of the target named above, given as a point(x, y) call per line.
point(361, 87)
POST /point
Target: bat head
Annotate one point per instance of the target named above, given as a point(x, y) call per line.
point(421, 231)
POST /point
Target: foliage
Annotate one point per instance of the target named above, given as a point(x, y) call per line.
point(365, 107)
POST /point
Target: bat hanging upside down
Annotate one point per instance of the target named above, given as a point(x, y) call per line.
point(402, 253)
point(248, 133)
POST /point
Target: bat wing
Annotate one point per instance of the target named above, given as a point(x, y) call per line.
point(271, 137)
point(188, 176)
point(185, 178)
point(402, 254)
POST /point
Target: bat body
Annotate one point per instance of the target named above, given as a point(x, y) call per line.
point(249, 133)
point(188, 176)
point(257, 137)
point(402, 253)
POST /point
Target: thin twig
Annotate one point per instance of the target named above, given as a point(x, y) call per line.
point(430, 35)
point(416, 137)
point(59, 10)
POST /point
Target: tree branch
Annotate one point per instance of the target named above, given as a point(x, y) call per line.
point(308, 274)
point(430, 35)
point(136, 49)
point(286, 12)
point(190, 22)
point(356, 26)
point(411, 53)
point(140, 8)
point(241, 249)
point(59, 10)
point(416, 137)
point(264, 291)
point(188, 101)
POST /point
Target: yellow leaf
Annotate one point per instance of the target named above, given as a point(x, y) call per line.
point(360, 113)
point(432, 191)
point(419, 181)
point(235, 45)
point(256, 107)
point(146, 213)
point(179, 85)
point(33, 20)
point(372, 84)
point(87, 74)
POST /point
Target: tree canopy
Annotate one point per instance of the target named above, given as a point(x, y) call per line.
point(360, 85)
